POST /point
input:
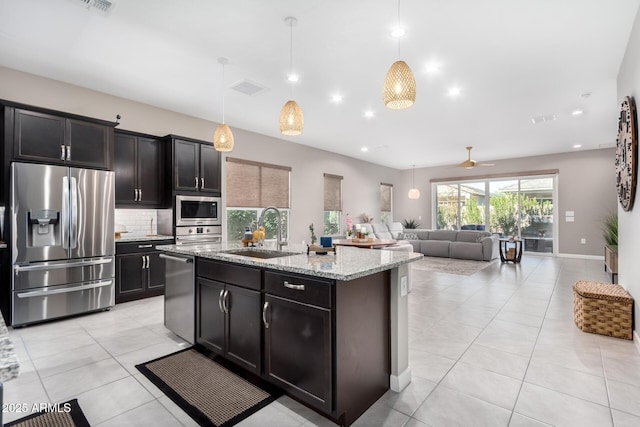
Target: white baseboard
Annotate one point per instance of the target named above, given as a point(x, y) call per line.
point(399, 382)
point(594, 257)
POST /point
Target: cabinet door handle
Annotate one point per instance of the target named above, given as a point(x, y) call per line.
point(143, 262)
point(62, 152)
point(220, 300)
point(225, 302)
point(196, 182)
point(68, 156)
point(294, 287)
point(139, 194)
point(202, 183)
point(265, 307)
point(135, 194)
point(145, 246)
point(148, 259)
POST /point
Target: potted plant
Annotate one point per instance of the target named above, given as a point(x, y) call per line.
point(610, 235)
point(410, 224)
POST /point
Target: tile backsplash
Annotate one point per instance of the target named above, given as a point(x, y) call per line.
point(137, 221)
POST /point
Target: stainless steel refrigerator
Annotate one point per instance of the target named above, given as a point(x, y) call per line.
point(62, 241)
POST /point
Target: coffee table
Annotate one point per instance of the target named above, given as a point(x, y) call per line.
point(377, 243)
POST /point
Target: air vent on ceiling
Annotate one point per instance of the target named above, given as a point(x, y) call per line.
point(103, 7)
point(541, 119)
point(248, 87)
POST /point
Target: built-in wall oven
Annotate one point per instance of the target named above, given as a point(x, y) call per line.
point(198, 211)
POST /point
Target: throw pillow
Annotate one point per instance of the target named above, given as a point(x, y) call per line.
point(408, 236)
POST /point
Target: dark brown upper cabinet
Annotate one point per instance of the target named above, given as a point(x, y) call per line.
point(195, 166)
point(49, 138)
point(139, 171)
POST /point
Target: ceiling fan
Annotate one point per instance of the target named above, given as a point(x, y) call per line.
point(470, 164)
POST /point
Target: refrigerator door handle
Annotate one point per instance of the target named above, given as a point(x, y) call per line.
point(64, 226)
point(19, 268)
point(32, 294)
point(74, 213)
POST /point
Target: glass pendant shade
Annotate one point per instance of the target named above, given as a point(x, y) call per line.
point(223, 138)
point(399, 87)
point(291, 120)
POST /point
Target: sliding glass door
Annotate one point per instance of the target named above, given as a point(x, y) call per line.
point(510, 207)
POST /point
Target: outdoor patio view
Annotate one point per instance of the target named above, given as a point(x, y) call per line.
point(515, 207)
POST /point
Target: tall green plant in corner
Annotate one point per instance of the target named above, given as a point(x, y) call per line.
point(610, 229)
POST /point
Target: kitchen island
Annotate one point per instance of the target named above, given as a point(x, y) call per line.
point(331, 330)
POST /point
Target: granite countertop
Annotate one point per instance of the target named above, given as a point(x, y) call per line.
point(9, 366)
point(141, 238)
point(347, 263)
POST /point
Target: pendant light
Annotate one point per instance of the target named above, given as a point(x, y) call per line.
point(414, 193)
point(291, 119)
point(223, 138)
point(399, 90)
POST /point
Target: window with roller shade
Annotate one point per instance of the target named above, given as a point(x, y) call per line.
point(386, 195)
point(332, 204)
point(251, 187)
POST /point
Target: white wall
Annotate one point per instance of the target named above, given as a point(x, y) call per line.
point(629, 222)
point(361, 184)
point(586, 185)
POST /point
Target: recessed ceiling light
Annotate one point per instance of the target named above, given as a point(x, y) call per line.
point(293, 78)
point(432, 68)
point(369, 114)
point(577, 146)
point(364, 149)
point(398, 32)
point(337, 98)
point(454, 91)
point(576, 112)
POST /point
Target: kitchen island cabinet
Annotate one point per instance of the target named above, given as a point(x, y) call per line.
point(332, 328)
point(228, 314)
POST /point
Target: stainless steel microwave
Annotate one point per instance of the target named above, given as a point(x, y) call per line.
point(198, 210)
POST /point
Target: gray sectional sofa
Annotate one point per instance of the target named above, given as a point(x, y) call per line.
point(463, 244)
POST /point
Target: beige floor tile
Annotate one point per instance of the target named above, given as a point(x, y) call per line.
point(446, 407)
point(560, 409)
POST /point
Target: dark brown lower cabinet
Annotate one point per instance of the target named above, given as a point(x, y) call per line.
point(298, 350)
point(140, 272)
point(324, 342)
point(229, 322)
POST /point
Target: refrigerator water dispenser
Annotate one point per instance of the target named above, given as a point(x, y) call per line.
point(43, 230)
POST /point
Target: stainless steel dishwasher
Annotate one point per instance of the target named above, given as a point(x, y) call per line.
point(180, 296)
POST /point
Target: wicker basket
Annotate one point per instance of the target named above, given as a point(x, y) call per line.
point(603, 308)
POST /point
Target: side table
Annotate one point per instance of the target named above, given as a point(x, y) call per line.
point(510, 250)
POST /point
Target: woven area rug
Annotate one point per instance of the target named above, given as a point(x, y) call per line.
point(462, 267)
point(66, 414)
point(210, 393)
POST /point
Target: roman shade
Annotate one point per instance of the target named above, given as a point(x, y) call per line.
point(385, 196)
point(257, 185)
point(332, 192)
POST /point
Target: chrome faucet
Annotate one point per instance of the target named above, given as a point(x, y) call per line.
point(279, 242)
